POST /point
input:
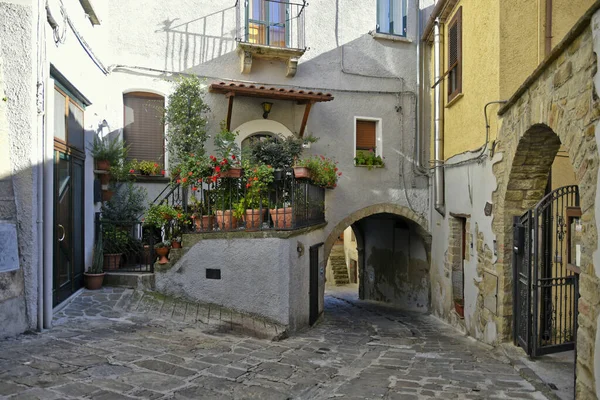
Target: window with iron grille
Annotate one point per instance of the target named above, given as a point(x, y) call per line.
point(455, 55)
point(144, 130)
point(391, 17)
point(267, 22)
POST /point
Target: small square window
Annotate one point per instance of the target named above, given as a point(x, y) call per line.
point(391, 17)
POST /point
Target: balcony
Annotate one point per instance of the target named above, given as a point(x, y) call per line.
point(272, 29)
point(288, 204)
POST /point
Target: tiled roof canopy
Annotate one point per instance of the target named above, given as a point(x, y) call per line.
point(275, 93)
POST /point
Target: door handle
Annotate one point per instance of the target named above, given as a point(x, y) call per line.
point(63, 233)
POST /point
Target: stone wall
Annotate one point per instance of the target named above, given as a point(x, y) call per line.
point(557, 104)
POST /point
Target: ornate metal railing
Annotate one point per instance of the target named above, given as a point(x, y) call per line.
point(286, 204)
point(128, 246)
point(277, 23)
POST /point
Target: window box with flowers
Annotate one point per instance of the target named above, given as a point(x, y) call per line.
point(323, 171)
point(368, 158)
point(146, 168)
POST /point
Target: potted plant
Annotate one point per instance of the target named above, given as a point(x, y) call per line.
point(278, 152)
point(186, 119)
point(323, 171)
point(282, 215)
point(108, 193)
point(368, 159)
point(258, 179)
point(147, 168)
point(227, 162)
point(226, 194)
point(115, 243)
point(202, 213)
point(159, 215)
point(176, 242)
point(106, 152)
point(162, 251)
point(459, 307)
point(94, 276)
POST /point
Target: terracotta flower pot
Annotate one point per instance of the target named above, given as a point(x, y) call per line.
point(93, 281)
point(232, 173)
point(102, 165)
point(254, 219)
point(226, 220)
point(176, 245)
point(107, 195)
point(104, 179)
point(204, 223)
point(282, 217)
point(301, 173)
point(162, 253)
point(460, 310)
point(112, 261)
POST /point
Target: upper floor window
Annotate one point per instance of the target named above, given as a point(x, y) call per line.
point(367, 136)
point(267, 22)
point(144, 130)
point(391, 17)
point(455, 55)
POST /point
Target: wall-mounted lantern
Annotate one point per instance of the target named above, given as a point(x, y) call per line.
point(267, 109)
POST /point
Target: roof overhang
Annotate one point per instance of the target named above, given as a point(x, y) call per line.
point(233, 89)
point(442, 10)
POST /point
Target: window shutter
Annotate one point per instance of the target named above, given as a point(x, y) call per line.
point(455, 55)
point(365, 135)
point(144, 129)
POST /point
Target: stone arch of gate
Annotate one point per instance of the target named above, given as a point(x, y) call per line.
point(557, 104)
point(383, 208)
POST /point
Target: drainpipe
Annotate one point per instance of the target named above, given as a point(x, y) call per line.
point(419, 118)
point(438, 125)
point(39, 173)
point(548, 30)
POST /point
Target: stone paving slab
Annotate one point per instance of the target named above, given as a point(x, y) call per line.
point(359, 351)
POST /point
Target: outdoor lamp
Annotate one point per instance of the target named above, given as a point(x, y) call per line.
point(267, 109)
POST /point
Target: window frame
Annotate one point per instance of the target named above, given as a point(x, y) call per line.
point(267, 23)
point(378, 134)
point(66, 144)
point(390, 21)
point(456, 20)
point(150, 96)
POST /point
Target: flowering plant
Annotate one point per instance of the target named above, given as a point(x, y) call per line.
point(324, 171)
point(193, 170)
point(146, 167)
point(368, 158)
point(258, 179)
point(159, 215)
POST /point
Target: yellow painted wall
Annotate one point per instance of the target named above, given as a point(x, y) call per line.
point(519, 42)
point(503, 43)
point(565, 13)
point(464, 125)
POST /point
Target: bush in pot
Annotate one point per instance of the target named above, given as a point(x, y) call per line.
point(162, 251)
point(324, 171)
point(94, 276)
point(107, 152)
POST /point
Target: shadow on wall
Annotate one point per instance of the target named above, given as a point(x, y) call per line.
point(198, 40)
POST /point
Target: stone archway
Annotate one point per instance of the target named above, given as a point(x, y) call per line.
point(250, 128)
point(557, 104)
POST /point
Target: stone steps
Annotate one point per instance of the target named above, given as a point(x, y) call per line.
point(337, 260)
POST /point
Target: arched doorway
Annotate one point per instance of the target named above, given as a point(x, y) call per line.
point(380, 254)
point(260, 127)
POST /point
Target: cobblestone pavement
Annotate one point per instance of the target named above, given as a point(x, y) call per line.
point(360, 350)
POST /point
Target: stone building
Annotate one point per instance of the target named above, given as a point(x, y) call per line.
point(514, 233)
point(76, 69)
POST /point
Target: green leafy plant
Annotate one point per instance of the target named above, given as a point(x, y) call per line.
point(193, 170)
point(146, 167)
point(121, 172)
point(258, 179)
point(186, 118)
point(279, 152)
point(98, 258)
point(324, 171)
point(115, 239)
point(368, 158)
point(127, 204)
point(225, 143)
point(164, 243)
point(159, 215)
point(109, 150)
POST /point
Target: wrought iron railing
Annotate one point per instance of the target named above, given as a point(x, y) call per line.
point(286, 204)
point(128, 246)
point(277, 23)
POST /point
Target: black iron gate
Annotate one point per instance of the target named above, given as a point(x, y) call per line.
point(545, 281)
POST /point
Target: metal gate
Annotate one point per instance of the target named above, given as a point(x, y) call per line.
point(544, 275)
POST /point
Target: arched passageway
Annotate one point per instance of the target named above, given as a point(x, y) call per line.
point(382, 255)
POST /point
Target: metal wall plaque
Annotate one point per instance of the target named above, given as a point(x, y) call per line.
point(9, 251)
point(487, 210)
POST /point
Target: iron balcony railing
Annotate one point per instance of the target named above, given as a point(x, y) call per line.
point(276, 23)
point(287, 204)
point(128, 246)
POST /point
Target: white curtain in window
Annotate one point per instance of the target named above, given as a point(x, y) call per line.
point(398, 13)
point(383, 15)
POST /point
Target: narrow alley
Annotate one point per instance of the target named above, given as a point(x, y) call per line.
point(360, 350)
